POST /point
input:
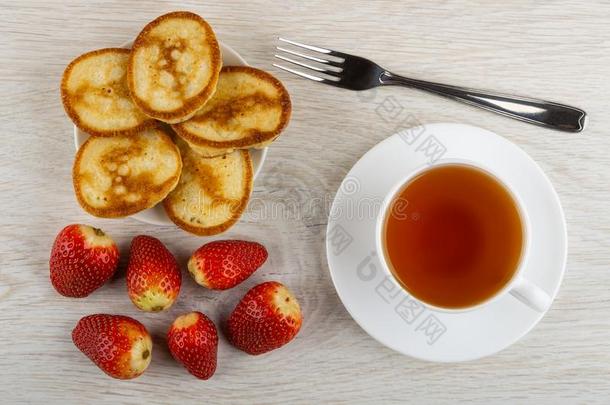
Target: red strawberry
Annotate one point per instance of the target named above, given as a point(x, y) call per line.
point(193, 341)
point(82, 260)
point(153, 275)
point(119, 345)
point(221, 265)
point(266, 318)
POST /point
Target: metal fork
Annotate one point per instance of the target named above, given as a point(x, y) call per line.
point(355, 73)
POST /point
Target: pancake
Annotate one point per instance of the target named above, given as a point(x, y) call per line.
point(95, 95)
point(122, 175)
point(212, 193)
point(249, 110)
point(174, 66)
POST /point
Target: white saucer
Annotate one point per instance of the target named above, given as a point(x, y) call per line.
point(379, 305)
point(156, 215)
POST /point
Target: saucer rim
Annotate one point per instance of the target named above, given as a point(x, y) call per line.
point(561, 271)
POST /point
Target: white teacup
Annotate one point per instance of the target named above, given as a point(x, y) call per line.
point(521, 288)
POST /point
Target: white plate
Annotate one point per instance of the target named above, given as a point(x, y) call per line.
point(379, 305)
point(156, 215)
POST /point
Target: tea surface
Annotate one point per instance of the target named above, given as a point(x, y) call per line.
point(453, 236)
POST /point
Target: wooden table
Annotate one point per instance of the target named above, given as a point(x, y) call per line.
point(559, 50)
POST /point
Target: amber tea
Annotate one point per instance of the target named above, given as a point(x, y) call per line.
point(453, 236)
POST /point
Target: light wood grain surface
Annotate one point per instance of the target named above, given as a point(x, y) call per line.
point(558, 50)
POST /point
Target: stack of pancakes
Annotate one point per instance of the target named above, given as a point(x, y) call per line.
point(169, 123)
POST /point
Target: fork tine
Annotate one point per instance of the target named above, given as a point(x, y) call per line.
point(311, 48)
point(307, 66)
point(315, 48)
point(308, 57)
point(307, 75)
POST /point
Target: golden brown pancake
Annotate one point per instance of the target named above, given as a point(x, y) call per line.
point(95, 95)
point(212, 193)
point(174, 66)
point(122, 175)
point(249, 110)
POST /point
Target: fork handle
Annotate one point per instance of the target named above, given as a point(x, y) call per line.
point(539, 112)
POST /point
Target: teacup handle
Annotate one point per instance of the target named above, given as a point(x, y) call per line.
point(531, 295)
